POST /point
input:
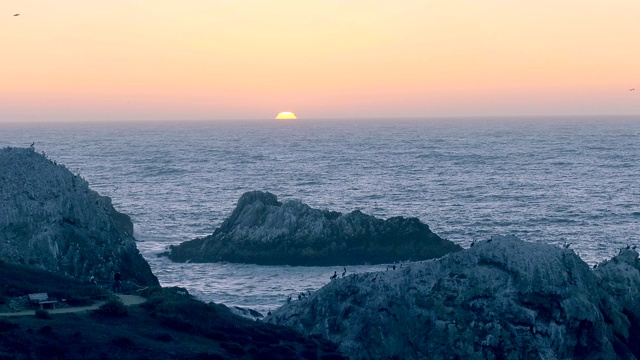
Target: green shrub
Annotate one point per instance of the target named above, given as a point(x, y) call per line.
point(164, 337)
point(208, 356)
point(18, 280)
point(50, 351)
point(7, 326)
point(122, 341)
point(178, 323)
point(217, 335)
point(42, 314)
point(233, 349)
point(112, 308)
point(46, 329)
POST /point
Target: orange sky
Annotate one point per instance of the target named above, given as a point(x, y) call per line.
point(202, 59)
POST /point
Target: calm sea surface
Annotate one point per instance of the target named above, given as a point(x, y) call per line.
point(545, 180)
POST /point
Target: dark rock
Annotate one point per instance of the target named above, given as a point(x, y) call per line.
point(50, 219)
point(505, 299)
point(262, 230)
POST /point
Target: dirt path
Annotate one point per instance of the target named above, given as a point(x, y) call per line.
point(127, 300)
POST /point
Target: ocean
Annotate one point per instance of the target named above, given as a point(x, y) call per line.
point(553, 180)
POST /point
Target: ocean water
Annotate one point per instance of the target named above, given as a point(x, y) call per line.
point(550, 180)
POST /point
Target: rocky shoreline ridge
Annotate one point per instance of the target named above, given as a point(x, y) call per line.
point(500, 299)
point(503, 298)
point(261, 230)
point(50, 219)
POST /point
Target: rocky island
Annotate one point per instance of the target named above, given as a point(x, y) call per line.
point(500, 299)
point(50, 219)
point(262, 230)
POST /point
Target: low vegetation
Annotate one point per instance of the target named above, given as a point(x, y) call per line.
point(42, 314)
point(20, 280)
point(171, 324)
point(112, 308)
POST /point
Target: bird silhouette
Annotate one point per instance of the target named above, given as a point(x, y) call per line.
point(16, 14)
point(632, 89)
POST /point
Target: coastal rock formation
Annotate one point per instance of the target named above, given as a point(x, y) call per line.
point(262, 230)
point(500, 299)
point(50, 219)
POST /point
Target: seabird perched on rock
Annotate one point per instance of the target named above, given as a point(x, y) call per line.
point(344, 272)
point(566, 245)
point(335, 275)
point(595, 266)
point(32, 144)
point(394, 267)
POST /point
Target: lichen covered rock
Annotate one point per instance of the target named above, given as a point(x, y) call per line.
point(50, 219)
point(262, 230)
point(500, 299)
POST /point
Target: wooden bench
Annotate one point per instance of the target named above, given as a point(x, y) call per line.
point(42, 299)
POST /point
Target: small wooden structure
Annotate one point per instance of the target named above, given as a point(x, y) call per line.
point(43, 300)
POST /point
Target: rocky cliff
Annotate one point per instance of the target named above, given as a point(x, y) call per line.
point(262, 230)
point(50, 219)
point(500, 299)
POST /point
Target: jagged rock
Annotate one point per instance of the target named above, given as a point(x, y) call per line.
point(246, 312)
point(50, 219)
point(500, 299)
point(262, 230)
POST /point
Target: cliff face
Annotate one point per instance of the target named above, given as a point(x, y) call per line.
point(50, 219)
point(262, 230)
point(499, 299)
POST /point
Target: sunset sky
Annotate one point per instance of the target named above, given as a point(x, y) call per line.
point(250, 59)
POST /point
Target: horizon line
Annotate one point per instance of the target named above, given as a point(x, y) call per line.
point(329, 118)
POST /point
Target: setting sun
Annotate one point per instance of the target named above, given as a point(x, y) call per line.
point(286, 115)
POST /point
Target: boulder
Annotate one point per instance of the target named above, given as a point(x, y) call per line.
point(262, 230)
point(50, 219)
point(500, 299)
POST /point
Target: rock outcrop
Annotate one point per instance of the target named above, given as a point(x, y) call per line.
point(500, 299)
point(50, 219)
point(262, 230)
